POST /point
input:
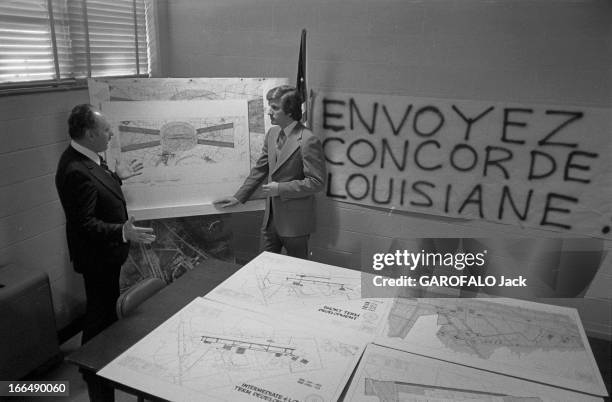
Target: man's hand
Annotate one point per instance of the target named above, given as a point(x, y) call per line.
point(226, 202)
point(126, 170)
point(137, 234)
point(270, 189)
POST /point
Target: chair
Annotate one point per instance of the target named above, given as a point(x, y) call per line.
point(137, 294)
point(134, 296)
point(28, 336)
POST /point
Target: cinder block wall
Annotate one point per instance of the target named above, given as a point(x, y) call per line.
point(536, 51)
point(33, 134)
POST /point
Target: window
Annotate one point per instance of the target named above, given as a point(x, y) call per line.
point(56, 41)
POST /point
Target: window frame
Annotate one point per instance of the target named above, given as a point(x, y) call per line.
point(67, 84)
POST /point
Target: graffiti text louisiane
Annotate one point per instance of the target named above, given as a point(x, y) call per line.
point(506, 164)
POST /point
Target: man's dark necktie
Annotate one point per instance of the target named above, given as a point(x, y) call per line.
point(280, 140)
point(104, 165)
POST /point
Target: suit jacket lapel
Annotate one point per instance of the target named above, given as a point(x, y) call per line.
point(291, 145)
point(103, 177)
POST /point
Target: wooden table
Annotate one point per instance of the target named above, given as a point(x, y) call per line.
point(120, 336)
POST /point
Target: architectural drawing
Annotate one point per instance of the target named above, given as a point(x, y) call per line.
point(192, 151)
point(388, 375)
point(528, 340)
point(211, 351)
point(294, 287)
point(177, 143)
point(273, 279)
point(180, 89)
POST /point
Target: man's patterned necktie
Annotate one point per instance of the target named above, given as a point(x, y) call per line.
point(280, 141)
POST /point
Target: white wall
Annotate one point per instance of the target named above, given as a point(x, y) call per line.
point(527, 51)
point(33, 134)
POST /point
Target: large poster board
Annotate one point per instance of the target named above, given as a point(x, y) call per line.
point(541, 166)
point(141, 89)
point(193, 152)
point(252, 90)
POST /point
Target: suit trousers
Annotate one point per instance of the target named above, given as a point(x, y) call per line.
point(296, 246)
point(102, 292)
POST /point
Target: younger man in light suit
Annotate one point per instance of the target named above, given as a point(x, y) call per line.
point(293, 163)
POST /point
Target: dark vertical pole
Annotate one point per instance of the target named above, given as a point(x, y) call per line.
point(53, 40)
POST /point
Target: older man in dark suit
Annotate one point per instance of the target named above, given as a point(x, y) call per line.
point(293, 163)
point(97, 224)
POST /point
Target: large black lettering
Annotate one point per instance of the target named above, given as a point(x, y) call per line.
point(447, 195)
point(389, 191)
point(532, 165)
point(419, 113)
point(353, 109)
point(573, 116)
point(328, 115)
point(508, 122)
point(349, 153)
point(497, 162)
point(571, 165)
point(470, 150)
point(477, 192)
point(402, 191)
point(396, 130)
point(349, 189)
point(548, 208)
point(471, 120)
point(388, 149)
point(417, 152)
point(506, 195)
point(324, 144)
point(329, 192)
point(416, 186)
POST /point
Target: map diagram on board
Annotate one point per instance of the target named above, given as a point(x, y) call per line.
point(192, 151)
point(196, 89)
point(528, 340)
point(211, 351)
point(390, 375)
point(165, 144)
point(304, 289)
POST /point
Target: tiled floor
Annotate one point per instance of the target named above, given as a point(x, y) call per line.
point(78, 389)
point(69, 372)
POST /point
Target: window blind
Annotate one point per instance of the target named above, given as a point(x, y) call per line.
point(67, 39)
point(26, 49)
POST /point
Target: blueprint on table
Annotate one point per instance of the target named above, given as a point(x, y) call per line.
point(212, 351)
point(386, 374)
point(304, 290)
point(534, 341)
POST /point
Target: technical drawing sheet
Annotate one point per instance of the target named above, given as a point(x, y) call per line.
point(193, 152)
point(535, 341)
point(297, 289)
point(211, 351)
point(386, 374)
